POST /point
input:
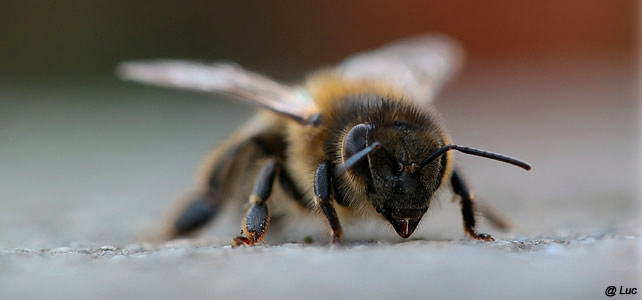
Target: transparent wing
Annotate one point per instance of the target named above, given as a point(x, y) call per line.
point(419, 65)
point(221, 77)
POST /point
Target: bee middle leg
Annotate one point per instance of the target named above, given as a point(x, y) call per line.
point(256, 222)
point(323, 199)
point(467, 207)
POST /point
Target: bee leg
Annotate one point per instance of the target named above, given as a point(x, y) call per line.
point(201, 209)
point(203, 205)
point(467, 207)
point(256, 222)
point(323, 198)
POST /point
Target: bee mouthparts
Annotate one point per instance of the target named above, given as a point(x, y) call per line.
point(404, 226)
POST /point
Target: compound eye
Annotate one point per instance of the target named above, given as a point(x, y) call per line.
point(355, 140)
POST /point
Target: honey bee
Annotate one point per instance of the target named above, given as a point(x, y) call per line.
point(360, 138)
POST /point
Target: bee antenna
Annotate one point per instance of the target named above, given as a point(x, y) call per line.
point(476, 152)
point(350, 162)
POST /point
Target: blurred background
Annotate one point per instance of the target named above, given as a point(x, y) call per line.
point(85, 157)
point(45, 39)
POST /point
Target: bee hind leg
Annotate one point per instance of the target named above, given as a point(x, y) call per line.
point(467, 207)
point(201, 209)
point(257, 221)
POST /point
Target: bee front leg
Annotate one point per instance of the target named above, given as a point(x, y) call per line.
point(467, 207)
point(256, 222)
point(323, 199)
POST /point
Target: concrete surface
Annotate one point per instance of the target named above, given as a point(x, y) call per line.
point(88, 169)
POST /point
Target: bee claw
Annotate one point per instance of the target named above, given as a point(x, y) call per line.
point(483, 237)
point(241, 241)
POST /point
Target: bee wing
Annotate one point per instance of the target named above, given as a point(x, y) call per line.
point(221, 77)
point(419, 65)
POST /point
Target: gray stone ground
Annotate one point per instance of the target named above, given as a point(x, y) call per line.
point(90, 167)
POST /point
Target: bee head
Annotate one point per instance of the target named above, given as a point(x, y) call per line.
point(388, 158)
point(402, 165)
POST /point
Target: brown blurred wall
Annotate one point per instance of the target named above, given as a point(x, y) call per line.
point(79, 37)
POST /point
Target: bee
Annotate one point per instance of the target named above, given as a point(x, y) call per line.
point(360, 139)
